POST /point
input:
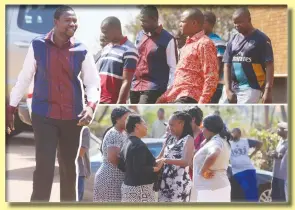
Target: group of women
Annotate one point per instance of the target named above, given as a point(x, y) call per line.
point(190, 167)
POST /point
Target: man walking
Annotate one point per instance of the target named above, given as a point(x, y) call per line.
point(248, 63)
point(157, 59)
point(196, 76)
point(55, 61)
point(209, 23)
point(117, 63)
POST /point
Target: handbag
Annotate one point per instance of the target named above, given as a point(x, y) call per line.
point(157, 183)
point(159, 175)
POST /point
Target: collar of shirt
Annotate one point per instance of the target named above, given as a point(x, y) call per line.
point(49, 37)
point(136, 141)
point(156, 32)
point(122, 41)
point(195, 37)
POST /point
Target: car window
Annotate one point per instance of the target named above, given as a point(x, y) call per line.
point(36, 18)
point(155, 148)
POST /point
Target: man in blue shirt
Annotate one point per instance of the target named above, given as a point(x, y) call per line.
point(248, 63)
point(209, 23)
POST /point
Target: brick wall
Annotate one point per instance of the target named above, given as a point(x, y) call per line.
point(273, 21)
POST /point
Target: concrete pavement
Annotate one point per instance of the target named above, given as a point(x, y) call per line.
point(20, 165)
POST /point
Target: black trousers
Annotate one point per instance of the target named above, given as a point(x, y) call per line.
point(278, 190)
point(185, 100)
point(145, 97)
point(217, 95)
point(51, 134)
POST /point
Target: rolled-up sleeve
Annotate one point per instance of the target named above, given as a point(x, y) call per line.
point(90, 79)
point(24, 79)
point(171, 54)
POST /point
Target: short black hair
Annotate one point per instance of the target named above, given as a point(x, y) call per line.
point(242, 11)
point(196, 14)
point(112, 21)
point(60, 10)
point(131, 122)
point(161, 110)
point(150, 11)
point(117, 113)
point(237, 130)
point(197, 113)
point(210, 17)
point(217, 112)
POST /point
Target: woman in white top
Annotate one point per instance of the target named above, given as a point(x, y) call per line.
point(243, 170)
point(210, 163)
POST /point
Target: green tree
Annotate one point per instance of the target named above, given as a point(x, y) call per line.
point(170, 19)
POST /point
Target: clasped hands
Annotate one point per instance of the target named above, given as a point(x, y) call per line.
point(159, 164)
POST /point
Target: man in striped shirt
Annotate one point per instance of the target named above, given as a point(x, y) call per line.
point(117, 63)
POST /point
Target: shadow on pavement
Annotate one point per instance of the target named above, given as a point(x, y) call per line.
point(26, 174)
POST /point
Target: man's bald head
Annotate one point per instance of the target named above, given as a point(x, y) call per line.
point(112, 21)
point(242, 20)
point(111, 30)
point(242, 12)
point(191, 22)
point(194, 14)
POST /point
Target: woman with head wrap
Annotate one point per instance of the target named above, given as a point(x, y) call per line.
point(108, 178)
point(178, 152)
point(210, 163)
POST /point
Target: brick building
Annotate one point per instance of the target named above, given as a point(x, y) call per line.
point(273, 21)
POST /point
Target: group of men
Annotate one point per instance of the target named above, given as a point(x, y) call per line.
point(145, 73)
point(155, 71)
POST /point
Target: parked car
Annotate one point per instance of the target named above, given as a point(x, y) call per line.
point(26, 22)
point(155, 145)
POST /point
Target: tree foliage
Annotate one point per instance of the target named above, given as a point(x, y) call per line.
point(170, 19)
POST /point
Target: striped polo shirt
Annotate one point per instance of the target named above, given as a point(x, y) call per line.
point(114, 60)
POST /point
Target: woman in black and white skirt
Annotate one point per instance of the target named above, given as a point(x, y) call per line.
point(138, 163)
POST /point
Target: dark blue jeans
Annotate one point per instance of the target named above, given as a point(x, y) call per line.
point(247, 180)
point(81, 185)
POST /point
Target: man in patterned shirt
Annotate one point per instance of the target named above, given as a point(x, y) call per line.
point(248, 63)
point(116, 64)
point(196, 75)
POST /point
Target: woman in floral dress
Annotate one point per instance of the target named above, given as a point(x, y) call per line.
point(177, 154)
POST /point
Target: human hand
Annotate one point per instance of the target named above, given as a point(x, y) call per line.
point(10, 119)
point(87, 115)
point(231, 96)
